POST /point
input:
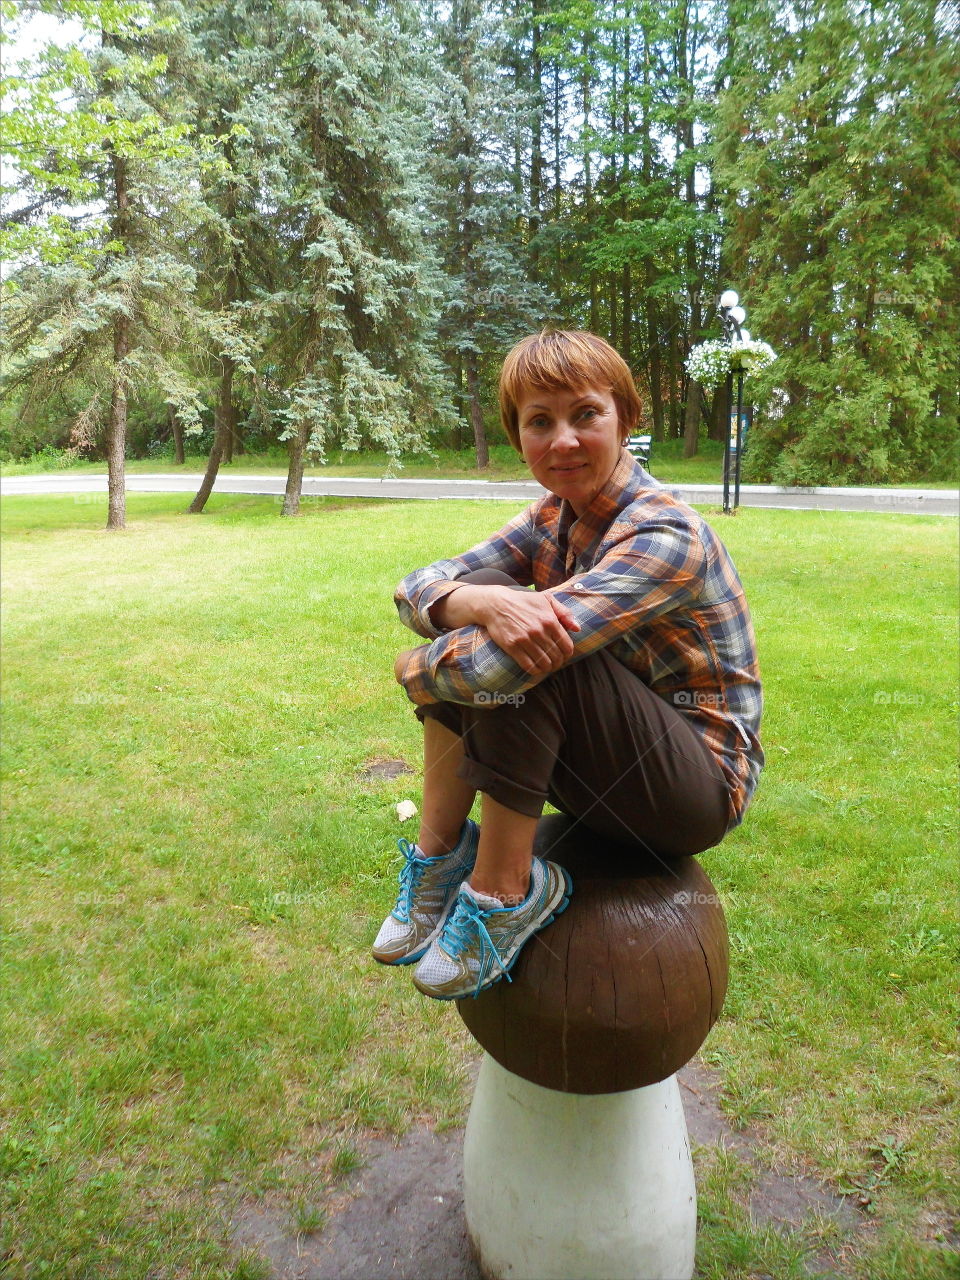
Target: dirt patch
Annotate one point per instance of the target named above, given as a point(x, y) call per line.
point(404, 1219)
point(402, 1214)
point(384, 770)
point(777, 1199)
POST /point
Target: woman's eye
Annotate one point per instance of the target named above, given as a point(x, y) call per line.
point(588, 413)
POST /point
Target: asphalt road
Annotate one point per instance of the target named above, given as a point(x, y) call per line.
point(939, 502)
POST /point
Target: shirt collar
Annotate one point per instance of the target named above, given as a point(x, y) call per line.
point(622, 486)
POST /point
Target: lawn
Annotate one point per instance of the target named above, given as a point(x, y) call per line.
point(196, 863)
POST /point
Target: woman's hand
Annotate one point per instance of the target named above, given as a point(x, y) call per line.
point(532, 627)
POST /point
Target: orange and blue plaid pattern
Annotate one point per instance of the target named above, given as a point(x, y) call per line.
point(644, 575)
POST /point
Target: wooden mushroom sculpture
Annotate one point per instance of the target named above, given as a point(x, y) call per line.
point(576, 1158)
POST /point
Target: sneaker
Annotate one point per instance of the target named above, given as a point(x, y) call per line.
point(428, 887)
point(482, 938)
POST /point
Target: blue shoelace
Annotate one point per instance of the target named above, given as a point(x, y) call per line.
point(467, 917)
point(410, 876)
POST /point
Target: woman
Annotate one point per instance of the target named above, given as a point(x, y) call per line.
point(624, 689)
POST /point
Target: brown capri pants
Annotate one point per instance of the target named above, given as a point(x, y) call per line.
point(599, 745)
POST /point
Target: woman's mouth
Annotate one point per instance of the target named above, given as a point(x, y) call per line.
point(569, 468)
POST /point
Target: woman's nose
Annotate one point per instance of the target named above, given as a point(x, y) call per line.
point(565, 436)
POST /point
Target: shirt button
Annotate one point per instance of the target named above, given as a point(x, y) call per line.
point(578, 586)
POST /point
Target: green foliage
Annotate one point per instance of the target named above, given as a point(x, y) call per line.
point(338, 218)
point(839, 158)
point(107, 176)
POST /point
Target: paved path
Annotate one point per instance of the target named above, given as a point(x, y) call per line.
point(940, 502)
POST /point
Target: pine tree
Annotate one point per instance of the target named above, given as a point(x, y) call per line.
point(842, 173)
point(103, 287)
point(491, 297)
point(225, 60)
point(353, 313)
point(638, 212)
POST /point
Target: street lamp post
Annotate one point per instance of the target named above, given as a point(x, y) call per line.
point(732, 316)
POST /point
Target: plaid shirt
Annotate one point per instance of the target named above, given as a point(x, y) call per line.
point(644, 575)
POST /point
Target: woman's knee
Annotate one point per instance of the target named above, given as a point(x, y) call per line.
point(449, 714)
point(489, 578)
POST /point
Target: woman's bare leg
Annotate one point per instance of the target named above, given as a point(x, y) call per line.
point(502, 869)
point(506, 837)
point(447, 799)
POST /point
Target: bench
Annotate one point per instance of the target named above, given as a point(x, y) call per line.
point(640, 447)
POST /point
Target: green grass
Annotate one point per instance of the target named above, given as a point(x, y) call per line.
point(195, 866)
point(668, 465)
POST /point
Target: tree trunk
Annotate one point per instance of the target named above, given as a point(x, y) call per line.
point(228, 444)
point(655, 363)
point(176, 430)
point(718, 412)
point(476, 411)
point(691, 420)
point(298, 452)
point(536, 151)
point(675, 377)
point(223, 420)
point(458, 397)
point(117, 428)
point(626, 340)
point(588, 184)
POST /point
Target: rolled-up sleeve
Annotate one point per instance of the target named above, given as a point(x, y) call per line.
point(650, 573)
point(458, 666)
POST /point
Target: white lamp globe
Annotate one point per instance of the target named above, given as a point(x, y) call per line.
point(729, 299)
point(738, 315)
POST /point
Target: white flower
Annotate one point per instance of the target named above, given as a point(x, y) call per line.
point(709, 362)
point(406, 809)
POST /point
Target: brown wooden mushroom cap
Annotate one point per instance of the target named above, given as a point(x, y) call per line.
point(622, 988)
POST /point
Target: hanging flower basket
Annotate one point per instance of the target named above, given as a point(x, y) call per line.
point(710, 362)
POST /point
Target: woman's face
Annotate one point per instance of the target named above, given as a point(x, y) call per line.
point(570, 440)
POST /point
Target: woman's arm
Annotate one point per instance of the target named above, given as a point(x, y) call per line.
point(419, 595)
point(657, 569)
point(530, 627)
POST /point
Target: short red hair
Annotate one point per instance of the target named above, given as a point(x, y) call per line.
point(561, 360)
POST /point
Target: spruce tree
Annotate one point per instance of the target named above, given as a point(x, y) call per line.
point(102, 288)
point(491, 296)
point(353, 313)
point(841, 164)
